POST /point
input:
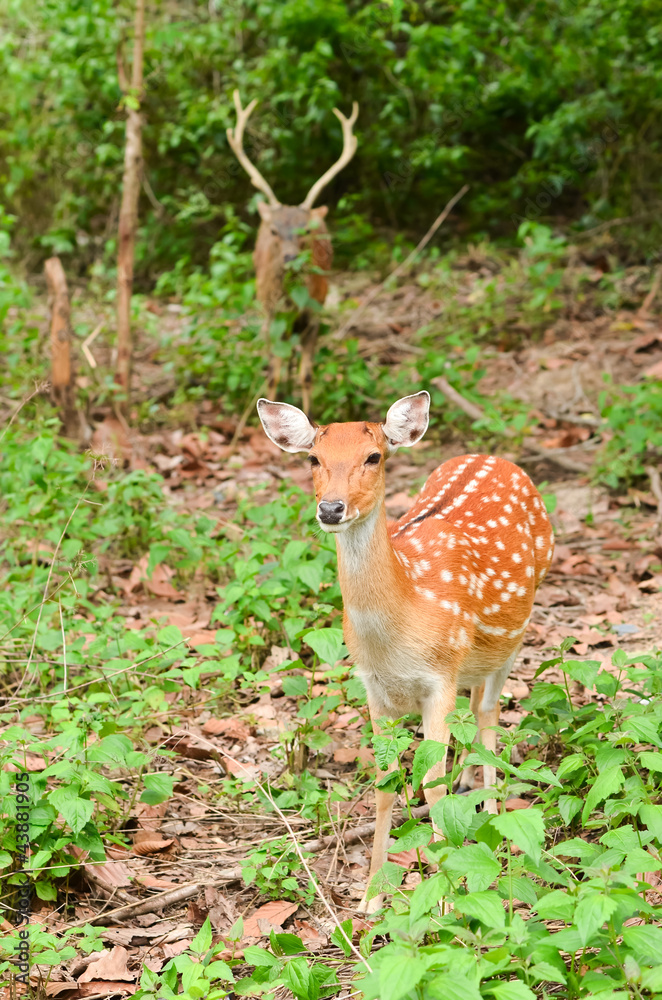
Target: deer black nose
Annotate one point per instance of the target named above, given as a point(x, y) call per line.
point(289, 257)
point(330, 511)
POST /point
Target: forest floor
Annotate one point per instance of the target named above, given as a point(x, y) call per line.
point(604, 588)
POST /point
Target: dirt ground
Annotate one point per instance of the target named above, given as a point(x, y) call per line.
point(604, 588)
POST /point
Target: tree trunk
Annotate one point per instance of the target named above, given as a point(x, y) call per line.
point(128, 220)
point(62, 371)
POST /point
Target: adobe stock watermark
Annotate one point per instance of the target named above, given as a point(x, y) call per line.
point(580, 161)
point(21, 879)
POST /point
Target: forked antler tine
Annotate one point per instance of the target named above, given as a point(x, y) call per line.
point(348, 149)
point(236, 140)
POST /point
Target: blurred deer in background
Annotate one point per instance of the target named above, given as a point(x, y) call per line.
point(285, 232)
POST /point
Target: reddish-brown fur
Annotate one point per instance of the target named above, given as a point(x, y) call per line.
point(438, 600)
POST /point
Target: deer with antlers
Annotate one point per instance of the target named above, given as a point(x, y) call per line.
point(285, 232)
point(436, 601)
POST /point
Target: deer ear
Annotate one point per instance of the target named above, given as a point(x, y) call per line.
point(321, 212)
point(285, 425)
point(264, 211)
point(407, 420)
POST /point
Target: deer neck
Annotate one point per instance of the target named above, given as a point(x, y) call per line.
point(369, 573)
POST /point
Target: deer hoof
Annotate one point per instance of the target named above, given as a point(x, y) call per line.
point(369, 906)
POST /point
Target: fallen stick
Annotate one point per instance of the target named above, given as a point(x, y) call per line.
point(401, 268)
point(162, 899)
point(475, 412)
point(359, 832)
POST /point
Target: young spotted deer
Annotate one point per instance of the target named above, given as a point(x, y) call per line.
point(285, 231)
point(438, 600)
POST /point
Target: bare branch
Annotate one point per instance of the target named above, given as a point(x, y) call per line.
point(236, 140)
point(349, 148)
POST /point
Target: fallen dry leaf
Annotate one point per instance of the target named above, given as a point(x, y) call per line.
point(345, 755)
point(234, 728)
point(113, 874)
point(146, 843)
point(111, 965)
point(516, 803)
point(274, 913)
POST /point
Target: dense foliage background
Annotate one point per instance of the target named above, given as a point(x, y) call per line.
point(549, 110)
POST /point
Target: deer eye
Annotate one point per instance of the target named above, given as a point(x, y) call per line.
point(313, 460)
point(374, 458)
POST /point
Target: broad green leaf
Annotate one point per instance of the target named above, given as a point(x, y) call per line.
point(170, 636)
point(327, 643)
point(76, 810)
point(201, 943)
point(591, 912)
point(584, 671)
point(295, 686)
point(556, 905)
point(607, 783)
point(515, 990)
point(427, 895)
point(546, 972)
point(651, 761)
point(570, 764)
point(525, 827)
point(652, 816)
point(453, 815)
point(462, 727)
point(451, 986)
point(158, 788)
point(645, 728)
point(219, 970)
point(343, 940)
point(418, 836)
point(569, 806)
point(399, 975)
point(651, 979)
point(484, 906)
point(297, 975)
point(429, 752)
point(645, 941)
point(6, 859)
point(477, 862)
point(388, 877)
point(253, 955)
point(287, 944)
point(45, 890)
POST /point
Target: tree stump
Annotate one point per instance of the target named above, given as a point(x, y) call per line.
point(62, 369)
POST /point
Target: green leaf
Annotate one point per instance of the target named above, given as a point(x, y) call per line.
point(546, 972)
point(416, 834)
point(219, 970)
point(341, 940)
point(556, 905)
point(515, 990)
point(295, 686)
point(477, 862)
point(584, 671)
point(6, 859)
point(170, 636)
point(327, 643)
point(158, 788)
point(316, 739)
point(645, 941)
point(201, 943)
point(569, 806)
point(399, 975)
point(525, 827)
point(451, 986)
point(236, 932)
point(651, 761)
point(607, 783)
point(427, 895)
point(645, 728)
point(388, 877)
point(289, 944)
point(462, 726)
point(253, 955)
point(484, 906)
point(573, 762)
point(454, 816)
point(297, 975)
point(45, 890)
point(429, 752)
point(76, 810)
point(652, 817)
point(591, 912)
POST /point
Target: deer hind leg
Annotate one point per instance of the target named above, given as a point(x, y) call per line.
point(384, 802)
point(488, 716)
point(308, 345)
point(468, 775)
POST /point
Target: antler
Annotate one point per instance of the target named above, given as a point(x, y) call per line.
point(348, 149)
point(236, 140)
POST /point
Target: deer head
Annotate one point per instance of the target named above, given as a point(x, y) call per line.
point(286, 229)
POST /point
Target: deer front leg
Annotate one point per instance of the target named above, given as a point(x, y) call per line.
point(384, 803)
point(308, 345)
point(435, 727)
point(468, 775)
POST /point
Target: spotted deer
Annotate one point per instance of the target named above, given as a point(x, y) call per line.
point(437, 601)
point(285, 231)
